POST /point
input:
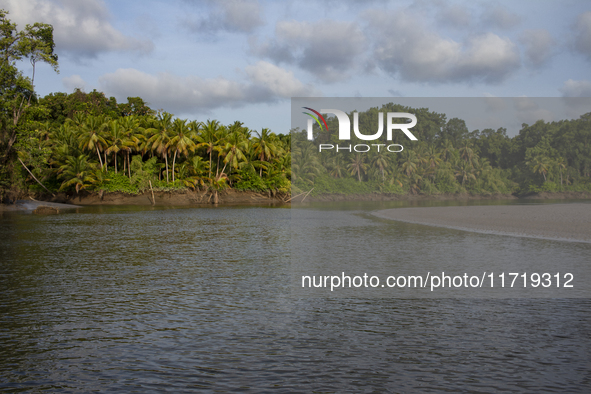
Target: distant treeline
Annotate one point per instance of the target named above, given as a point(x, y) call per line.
point(448, 158)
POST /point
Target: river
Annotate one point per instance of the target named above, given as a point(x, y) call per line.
point(144, 299)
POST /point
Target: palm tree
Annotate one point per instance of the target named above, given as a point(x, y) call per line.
point(160, 137)
point(467, 153)
point(91, 135)
point(380, 162)
point(357, 166)
point(337, 166)
point(447, 150)
point(264, 146)
point(118, 141)
point(76, 171)
point(540, 164)
point(198, 168)
point(433, 157)
point(208, 138)
point(234, 147)
point(134, 135)
point(410, 162)
point(397, 177)
point(465, 171)
point(180, 142)
point(561, 164)
point(305, 163)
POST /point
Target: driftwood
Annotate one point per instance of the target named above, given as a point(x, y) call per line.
point(152, 190)
point(291, 198)
point(307, 194)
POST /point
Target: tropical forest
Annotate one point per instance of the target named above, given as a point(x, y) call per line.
point(447, 158)
point(83, 142)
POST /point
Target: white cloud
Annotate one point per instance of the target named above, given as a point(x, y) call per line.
point(265, 83)
point(242, 16)
point(497, 16)
point(582, 30)
point(573, 88)
point(276, 81)
point(81, 28)
point(330, 50)
point(73, 82)
point(539, 46)
point(404, 47)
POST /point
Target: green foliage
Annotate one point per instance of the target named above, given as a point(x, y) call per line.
point(87, 141)
point(143, 173)
point(118, 182)
point(250, 180)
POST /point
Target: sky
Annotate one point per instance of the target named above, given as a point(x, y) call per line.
point(244, 59)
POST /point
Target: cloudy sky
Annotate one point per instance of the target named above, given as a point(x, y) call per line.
point(243, 59)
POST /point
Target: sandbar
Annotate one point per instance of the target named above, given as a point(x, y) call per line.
point(31, 205)
point(571, 222)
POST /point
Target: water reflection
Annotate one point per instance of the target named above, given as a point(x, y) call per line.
point(152, 299)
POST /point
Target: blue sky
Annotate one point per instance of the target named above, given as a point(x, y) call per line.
point(244, 59)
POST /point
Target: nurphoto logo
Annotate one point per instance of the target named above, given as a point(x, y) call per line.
point(345, 129)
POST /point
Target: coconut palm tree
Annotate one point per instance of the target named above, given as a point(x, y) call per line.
point(208, 138)
point(447, 150)
point(467, 152)
point(561, 164)
point(337, 166)
point(134, 136)
point(357, 166)
point(161, 137)
point(305, 163)
point(410, 162)
point(264, 146)
point(91, 137)
point(118, 141)
point(379, 161)
point(180, 141)
point(76, 171)
point(235, 147)
point(465, 172)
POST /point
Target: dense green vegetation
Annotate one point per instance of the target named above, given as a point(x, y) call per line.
point(447, 158)
point(86, 141)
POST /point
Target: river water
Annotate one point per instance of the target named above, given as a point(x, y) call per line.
point(142, 299)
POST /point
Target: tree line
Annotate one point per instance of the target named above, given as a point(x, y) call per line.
point(86, 141)
point(448, 158)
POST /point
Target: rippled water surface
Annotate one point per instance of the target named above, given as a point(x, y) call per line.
point(143, 300)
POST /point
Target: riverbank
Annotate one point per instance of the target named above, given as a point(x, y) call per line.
point(570, 222)
point(439, 197)
point(162, 198)
point(399, 197)
point(235, 197)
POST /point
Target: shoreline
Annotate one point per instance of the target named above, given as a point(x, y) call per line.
point(442, 197)
point(160, 198)
point(563, 222)
point(240, 197)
